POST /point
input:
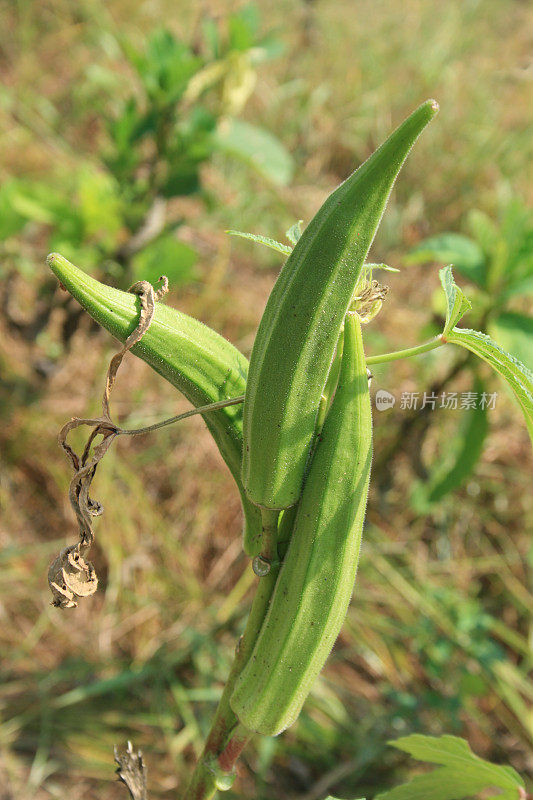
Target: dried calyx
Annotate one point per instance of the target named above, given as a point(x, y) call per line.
point(368, 299)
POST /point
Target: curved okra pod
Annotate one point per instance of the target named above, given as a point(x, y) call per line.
point(195, 359)
point(300, 327)
point(315, 582)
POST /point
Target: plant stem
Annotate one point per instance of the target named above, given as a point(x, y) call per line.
point(270, 518)
point(269, 521)
point(410, 351)
point(227, 737)
point(232, 401)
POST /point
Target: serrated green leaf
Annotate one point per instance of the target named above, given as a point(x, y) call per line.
point(294, 232)
point(517, 375)
point(514, 331)
point(255, 237)
point(452, 248)
point(256, 147)
point(456, 303)
point(461, 774)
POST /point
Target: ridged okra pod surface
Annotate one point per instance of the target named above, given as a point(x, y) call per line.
point(300, 327)
point(195, 359)
point(315, 583)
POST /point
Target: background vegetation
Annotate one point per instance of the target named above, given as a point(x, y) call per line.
point(436, 639)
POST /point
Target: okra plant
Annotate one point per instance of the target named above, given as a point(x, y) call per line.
point(295, 429)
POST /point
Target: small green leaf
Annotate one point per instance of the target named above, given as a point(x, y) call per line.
point(452, 248)
point(517, 375)
point(294, 232)
point(456, 303)
point(461, 774)
point(256, 147)
point(256, 237)
point(514, 331)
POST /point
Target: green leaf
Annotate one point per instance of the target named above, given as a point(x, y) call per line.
point(256, 147)
point(517, 375)
point(254, 237)
point(452, 248)
point(294, 232)
point(461, 774)
point(514, 331)
point(165, 256)
point(456, 303)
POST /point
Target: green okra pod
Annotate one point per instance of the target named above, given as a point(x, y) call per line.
point(315, 582)
point(300, 327)
point(195, 359)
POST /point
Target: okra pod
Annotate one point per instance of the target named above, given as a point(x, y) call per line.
point(315, 582)
point(195, 359)
point(300, 327)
